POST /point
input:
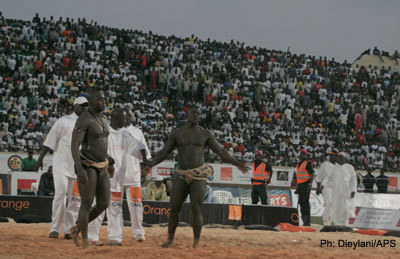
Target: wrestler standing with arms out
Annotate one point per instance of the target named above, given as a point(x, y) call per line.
point(91, 164)
point(191, 175)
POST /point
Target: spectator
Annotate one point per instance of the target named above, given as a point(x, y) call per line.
point(156, 190)
point(382, 182)
point(271, 93)
point(46, 184)
point(28, 163)
point(368, 181)
point(377, 52)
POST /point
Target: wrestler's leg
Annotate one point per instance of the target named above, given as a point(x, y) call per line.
point(179, 192)
point(102, 195)
point(87, 192)
point(197, 193)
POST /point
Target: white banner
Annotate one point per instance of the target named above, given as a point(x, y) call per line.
point(364, 200)
point(378, 200)
point(378, 219)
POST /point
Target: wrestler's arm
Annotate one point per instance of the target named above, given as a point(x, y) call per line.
point(78, 134)
point(163, 153)
point(223, 153)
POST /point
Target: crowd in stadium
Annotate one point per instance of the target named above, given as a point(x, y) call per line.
point(252, 98)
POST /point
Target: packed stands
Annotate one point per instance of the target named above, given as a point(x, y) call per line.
point(252, 98)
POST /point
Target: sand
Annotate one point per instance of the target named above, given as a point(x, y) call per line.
point(31, 241)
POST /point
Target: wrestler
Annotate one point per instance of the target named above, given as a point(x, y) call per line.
point(92, 164)
point(191, 175)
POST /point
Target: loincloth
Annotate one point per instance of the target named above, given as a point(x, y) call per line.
point(99, 166)
point(200, 173)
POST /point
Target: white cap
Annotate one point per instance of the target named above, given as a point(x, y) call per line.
point(80, 100)
point(345, 155)
point(158, 178)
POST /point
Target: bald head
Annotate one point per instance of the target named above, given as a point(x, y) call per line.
point(118, 118)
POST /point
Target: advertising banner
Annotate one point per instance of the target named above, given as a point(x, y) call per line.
point(269, 215)
point(377, 219)
point(277, 197)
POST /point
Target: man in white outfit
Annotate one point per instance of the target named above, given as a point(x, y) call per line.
point(344, 188)
point(59, 140)
point(122, 147)
point(132, 182)
point(324, 186)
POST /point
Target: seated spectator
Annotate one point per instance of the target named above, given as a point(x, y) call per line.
point(382, 182)
point(368, 181)
point(377, 52)
point(28, 163)
point(46, 184)
point(156, 190)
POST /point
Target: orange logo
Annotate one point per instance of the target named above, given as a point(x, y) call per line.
point(136, 194)
point(116, 196)
point(75, 192)
point(147, 209)
point(226, 174)
point(294, 217)
point(235, 212)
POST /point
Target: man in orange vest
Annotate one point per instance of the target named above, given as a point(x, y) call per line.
point(262, 173)
point(304, 178)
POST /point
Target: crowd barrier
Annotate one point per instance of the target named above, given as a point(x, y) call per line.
point(157, 212)
point(224, 174)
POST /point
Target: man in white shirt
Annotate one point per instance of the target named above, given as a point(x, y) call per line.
point(59, 140)
point(323, 186)
point(122, 146)
point(132, 182)
point(344, 188)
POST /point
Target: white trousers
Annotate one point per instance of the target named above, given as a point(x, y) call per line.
point(327, 214)
point(61, 212)
point(115, 222)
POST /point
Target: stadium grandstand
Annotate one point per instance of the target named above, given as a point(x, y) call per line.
point(252, 98)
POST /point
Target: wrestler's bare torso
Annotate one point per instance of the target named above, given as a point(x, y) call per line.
point(95, 143)
point(191, 142)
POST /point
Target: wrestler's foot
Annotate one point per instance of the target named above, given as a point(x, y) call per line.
point(85, 244)
point(196, 243)
point(67, 236)
point(75, 235)
point(167, 244)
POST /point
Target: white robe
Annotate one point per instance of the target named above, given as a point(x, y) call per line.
point(343, 182)
point(323, 176)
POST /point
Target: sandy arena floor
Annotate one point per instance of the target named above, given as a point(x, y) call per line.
point(31, 241)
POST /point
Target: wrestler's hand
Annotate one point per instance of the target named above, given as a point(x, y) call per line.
point(39, 164)
point(352, 195)
point(147, 163)
point(318, 191)
point(243, 167)
point(111, 171)
point(144, 169)
point(82, 176)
